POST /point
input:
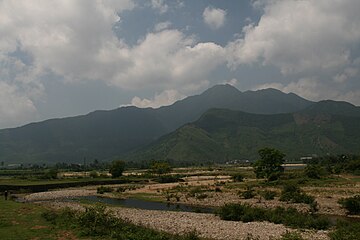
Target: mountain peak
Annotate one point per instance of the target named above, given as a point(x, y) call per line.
point(222, 89)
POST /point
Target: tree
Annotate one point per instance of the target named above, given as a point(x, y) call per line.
point(269, 164)
point(160, 167)
point(117, 168)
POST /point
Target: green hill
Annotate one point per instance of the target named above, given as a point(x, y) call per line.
point(107, 134)
point(220, 135)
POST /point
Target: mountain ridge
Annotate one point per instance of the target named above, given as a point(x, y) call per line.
point(108, 134)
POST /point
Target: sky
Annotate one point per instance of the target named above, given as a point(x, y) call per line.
point(62, 58)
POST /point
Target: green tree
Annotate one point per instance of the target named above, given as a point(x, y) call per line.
point(160, 167)
point(269, 164)
point(117, 168)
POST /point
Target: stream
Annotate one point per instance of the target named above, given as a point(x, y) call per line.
point(148, 205)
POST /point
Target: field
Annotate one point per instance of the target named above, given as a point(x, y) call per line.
point(312, 208)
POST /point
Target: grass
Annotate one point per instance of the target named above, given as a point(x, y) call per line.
point(23, 221)
point(20, 221)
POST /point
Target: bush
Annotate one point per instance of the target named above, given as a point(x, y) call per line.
point(292, 193)
point(94, 174)
point(237, 177)
point(314, 171)
point(352, 204)
point(291, 236)
point(289, 217)
point(346, 231)
point(117, 168)
point(96, 221)
point(169, 179)
point(268, 195)
point(102, 189)
point(201, 196)
point(248, 193)
point(99, 223)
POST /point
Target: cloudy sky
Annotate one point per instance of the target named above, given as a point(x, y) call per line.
point(68, 57)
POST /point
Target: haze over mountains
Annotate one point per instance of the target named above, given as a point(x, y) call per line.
point(220, 124)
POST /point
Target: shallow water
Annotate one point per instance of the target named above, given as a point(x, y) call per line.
point(148, 205)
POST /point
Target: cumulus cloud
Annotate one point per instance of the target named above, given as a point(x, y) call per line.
point(165, 98)
point(74, 40)
point(298, 36)
point(162, 26)
point(15, 108)
point(214, 17)
point(160, 5)
point(170, 59)
point(313, 41)
point(315, 90)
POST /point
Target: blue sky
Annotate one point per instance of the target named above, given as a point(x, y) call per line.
point(63, 58)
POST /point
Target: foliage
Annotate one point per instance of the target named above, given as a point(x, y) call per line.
point(269, 163)
point(161, 167)
point(102, 189)
point(50, 174)
point(338, 163)
point(346, 231)
point(289, 217)
point(314, 171)
point(99, 222)
point(291, 236)
point(268, 195)
point(94, 174)
point(292, 193)
point(117, 168)
point(238, 177)
point(248, 193)
point(352, 204)
point(169, 179)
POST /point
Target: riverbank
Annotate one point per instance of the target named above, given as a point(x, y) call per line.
point(206, 225)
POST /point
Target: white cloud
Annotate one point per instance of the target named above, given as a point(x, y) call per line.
point(315, 90)
point(299, 36)
point(15, 108)
point(169, 59)
point(162, 26)
point(159, 5)
point(214, 17)
point(232, 82)
point(346, 74)
point(165, 98)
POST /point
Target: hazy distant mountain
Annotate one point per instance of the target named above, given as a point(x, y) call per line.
point(221, 135)
point(107, 134)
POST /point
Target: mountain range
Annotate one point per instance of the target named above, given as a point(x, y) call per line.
point(220, 124)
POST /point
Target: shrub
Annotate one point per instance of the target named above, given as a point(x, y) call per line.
point(94, 174)
point(249, 193)
point(292, 193)
point(291, 236)
point(346, 231)
point(289, 217)
point(99, 223)
point(268, 195)
point(102, 189)
point(195, 191)
point(352, 204)
point(117, 168)
point(169, 179)
point(201, 196)
point(237, 177)
point(96, 221)
point(314, 171)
